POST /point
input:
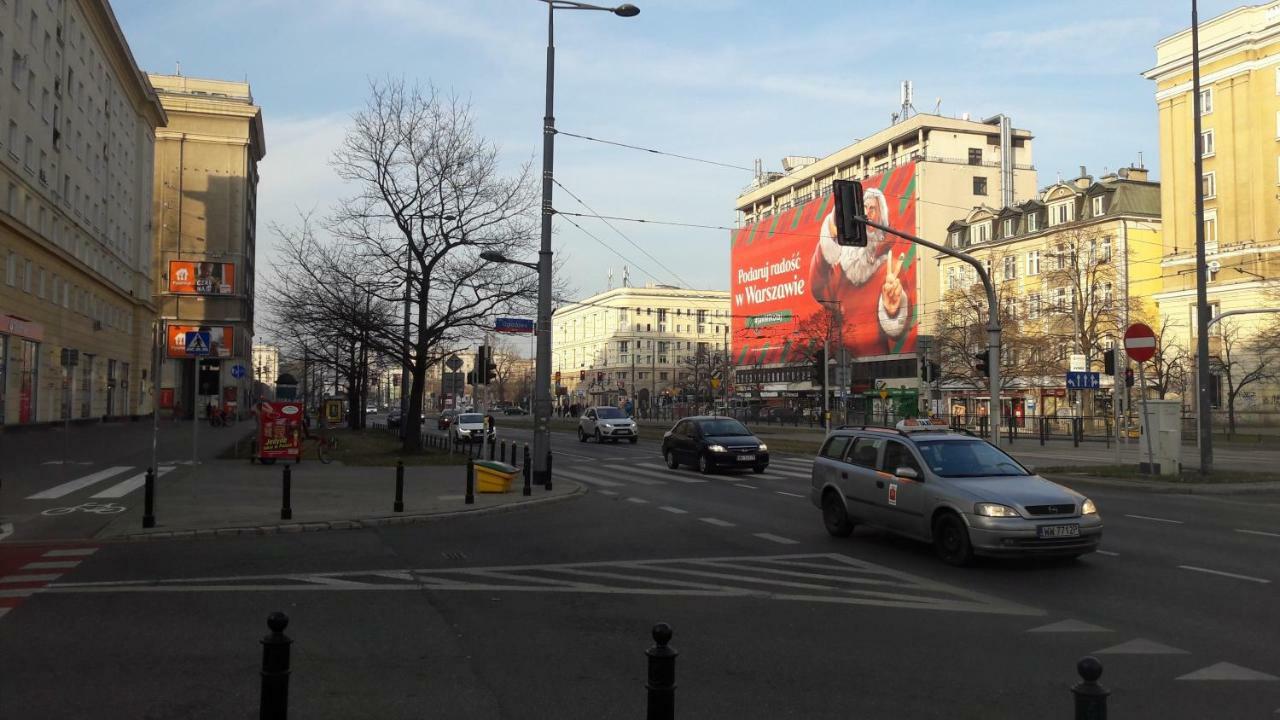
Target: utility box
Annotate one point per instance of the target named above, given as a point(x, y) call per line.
point(493, 476)
point(1164, 424)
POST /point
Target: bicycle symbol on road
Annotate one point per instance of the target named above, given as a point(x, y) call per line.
point(94, 508)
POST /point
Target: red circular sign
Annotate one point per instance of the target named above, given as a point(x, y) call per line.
point(1140, 342)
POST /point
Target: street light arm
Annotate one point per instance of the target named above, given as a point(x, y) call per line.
point(1246, 311)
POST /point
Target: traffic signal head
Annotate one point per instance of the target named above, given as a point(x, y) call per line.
point(471, 377)
point(1109, 361)
point(491, 373)
point(849, 207)
point(820, 367)
point(980, 363)
point(482, 361)
point(1128, 377)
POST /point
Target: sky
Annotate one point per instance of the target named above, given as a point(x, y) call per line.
point(724, 80)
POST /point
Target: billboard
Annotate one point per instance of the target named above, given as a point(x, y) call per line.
point(221, 340)
point(786, 267)
point(201, 278)
point(279, 430)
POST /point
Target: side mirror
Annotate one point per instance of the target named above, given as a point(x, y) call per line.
point(907, 472)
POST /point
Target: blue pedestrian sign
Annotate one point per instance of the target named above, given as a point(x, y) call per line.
point(198, 343)
point(237, 371)
point(1083, 380)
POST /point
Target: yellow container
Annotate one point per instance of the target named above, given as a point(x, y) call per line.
point(493, 476)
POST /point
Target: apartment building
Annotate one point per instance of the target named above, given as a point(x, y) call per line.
point(77, 129)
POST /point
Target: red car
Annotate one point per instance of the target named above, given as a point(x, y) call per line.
point(446, 419)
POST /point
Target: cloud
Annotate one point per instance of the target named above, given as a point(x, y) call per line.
point(295, 174)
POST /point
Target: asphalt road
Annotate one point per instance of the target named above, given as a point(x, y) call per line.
point(546, 612)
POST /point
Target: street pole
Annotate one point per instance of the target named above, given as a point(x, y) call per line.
point(155, 394)
point(195, 414)
point(542, 370)
point(1146, 427)
point(1205, 420)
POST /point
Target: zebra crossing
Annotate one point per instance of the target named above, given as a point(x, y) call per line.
point(120, 488)
point(608, 475)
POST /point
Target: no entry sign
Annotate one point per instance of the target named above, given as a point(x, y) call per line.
point(1140, 342)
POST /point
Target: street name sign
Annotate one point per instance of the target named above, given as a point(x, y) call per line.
point(1083, 380)
point(1140, 342)
point(513, 325)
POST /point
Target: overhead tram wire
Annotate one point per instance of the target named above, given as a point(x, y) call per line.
point(606, 246)
point(637, 246)
point(655, 152)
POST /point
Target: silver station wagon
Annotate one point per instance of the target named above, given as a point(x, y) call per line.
point(956, 491)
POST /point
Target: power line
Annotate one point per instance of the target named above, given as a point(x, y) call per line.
point(608, 247)
point(655, 152)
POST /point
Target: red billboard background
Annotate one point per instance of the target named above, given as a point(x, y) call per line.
point(783, 265)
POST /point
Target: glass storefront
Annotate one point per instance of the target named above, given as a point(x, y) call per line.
point(86, 385)
point(28, 371)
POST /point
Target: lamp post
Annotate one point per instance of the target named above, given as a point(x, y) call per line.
point(542, 372)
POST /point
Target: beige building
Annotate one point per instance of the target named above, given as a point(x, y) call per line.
point(205, 230)
point(635, 343)
point(266, 367)
point(1240, 129)
point(77, 124)
point(957, 164)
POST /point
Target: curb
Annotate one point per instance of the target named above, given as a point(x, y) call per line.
point(360, 524)
point(1167, 488)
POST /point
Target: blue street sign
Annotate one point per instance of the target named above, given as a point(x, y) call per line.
point(198, 343)
point(237, 371)
point(513, 325)
point(1083, 380)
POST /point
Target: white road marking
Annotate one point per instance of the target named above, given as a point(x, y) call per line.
point(6, 529)
point(337, 582)
point(608, 492)
point(1107, 552)
point(647, 481)
point(662, 473)
point(582, 476)
point(638, 501)
point(54, 565)
point(717, 522)
point(124, 488)
point(744, 485)
point(67, 488)
point(1250, 578)
point(1141, 646)
point(1155, 519)
point(675, 510)
point(10, 579)
point(777, 538)
point(1246, 532)
point(1227, 671)
point(71, 552)
point(1069, 626)
point(20, 592)
point(788, 494)
point(4, 611)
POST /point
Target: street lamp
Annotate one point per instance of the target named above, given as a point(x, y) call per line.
point(542, 372)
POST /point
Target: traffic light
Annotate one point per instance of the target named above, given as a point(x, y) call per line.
point(557, 377)
point(582, 376)
point(471, 377)
point(980, 363)
point(820, 368)
point(1109, 361)
point(849, 206)
point(930, 371)
point(1128, 377)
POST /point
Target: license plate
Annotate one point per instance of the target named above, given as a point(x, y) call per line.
point(746, 458)
point(1058, 531)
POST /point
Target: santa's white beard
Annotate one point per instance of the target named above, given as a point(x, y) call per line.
point(857, 263)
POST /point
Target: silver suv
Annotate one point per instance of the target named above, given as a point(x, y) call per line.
point(607, 423)
point(951, 489)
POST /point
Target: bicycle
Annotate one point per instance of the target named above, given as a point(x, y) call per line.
point(324, 444)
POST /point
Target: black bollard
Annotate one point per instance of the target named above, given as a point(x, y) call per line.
point(1075, 432)
point(502, 451)
point(1044, 428)
point(399, 504)
point(528, 470)
point(492, 442)
point(286, 508)
point(548, 487)
point(149, 500)
point(662, 675)
point(273, 702)
point(471, 482)
point(1091, 698)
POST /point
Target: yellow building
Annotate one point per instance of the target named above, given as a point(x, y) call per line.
point(77, 125)
point(1072, 268)
point(205, 230)
point(1240, 147)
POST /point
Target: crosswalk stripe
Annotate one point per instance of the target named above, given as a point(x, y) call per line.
point(121, 489)
point(57, 565)
point(664, 473)
point(777, 538)
point(583, 477)
point(67, 488)
point(717, 522)
point(70, 552)
point(11, 579)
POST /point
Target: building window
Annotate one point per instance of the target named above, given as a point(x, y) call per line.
point(1211, 231)
point(952, 278)
point(1060, 213)
point(1207, 146)
point(11, 270)
point(1097, 206)
point(1009, 226)
point(979, 185)
point(1209, 185)
point(1010, 267)
point(1033, 263)
point(975, 156)
point(1206, 101)
point(1033, 306)
point(981, 232)
point(1033, 222)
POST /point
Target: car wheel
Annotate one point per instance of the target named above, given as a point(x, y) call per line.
point(834, 516)
point(759, 469)
point(672, 461)
point(634, 440)
point(704, 464)
point(582, 437)
point(951, 540)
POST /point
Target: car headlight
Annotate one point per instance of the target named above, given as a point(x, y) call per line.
point(1088, 508)
point(763, 447)
point(608, 426)
point(716, 448)
point(995, 510)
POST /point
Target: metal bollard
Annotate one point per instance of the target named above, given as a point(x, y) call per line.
point(492, 442)
point(273, 702)
point(471, 482)
point(399, 504)
point(1075, 432)
point(548, 486)
point(1044, 428)
point(662, 675)
point(1091, 698)
point(528, 470)
point(286, 508)
point(502, 453)
point(149, 500)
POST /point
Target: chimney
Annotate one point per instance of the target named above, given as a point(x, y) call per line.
point(1134, 173)
point(1085, 180)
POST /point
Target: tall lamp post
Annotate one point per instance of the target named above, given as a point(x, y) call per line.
point(542, 371)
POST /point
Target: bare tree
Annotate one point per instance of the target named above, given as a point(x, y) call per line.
point(1084, 305)
point(1169, 365)
point(702, 371)
point(1027, 351)
point(1245, 360)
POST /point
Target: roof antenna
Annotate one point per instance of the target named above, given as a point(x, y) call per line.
point(178, 68)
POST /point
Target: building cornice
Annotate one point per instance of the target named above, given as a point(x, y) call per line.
point(143, 94)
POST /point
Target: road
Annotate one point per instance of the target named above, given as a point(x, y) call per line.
point(546, 612)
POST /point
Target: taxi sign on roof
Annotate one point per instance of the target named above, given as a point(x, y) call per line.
point(918, 424)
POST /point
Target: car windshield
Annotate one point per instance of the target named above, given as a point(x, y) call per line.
point(968, 458)
point(608, 413)
point(721, 428)
point(470, 418)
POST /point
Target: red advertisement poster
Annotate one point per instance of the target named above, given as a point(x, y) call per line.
point(221, 340)
point(787, 267)
point(279, 430)
point(201, 278)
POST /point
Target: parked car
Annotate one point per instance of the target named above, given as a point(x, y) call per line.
point(394, 418)
point(446, 417)
point(607, 423)
point(515, 410)
point(468, 428)
point(710, 443)
point(370, 409)
point(958, 492)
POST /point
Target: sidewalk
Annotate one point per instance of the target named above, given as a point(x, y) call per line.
point(1162, 486)
point(233, 497)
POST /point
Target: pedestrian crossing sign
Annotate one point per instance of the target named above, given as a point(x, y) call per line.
point(197, 343)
